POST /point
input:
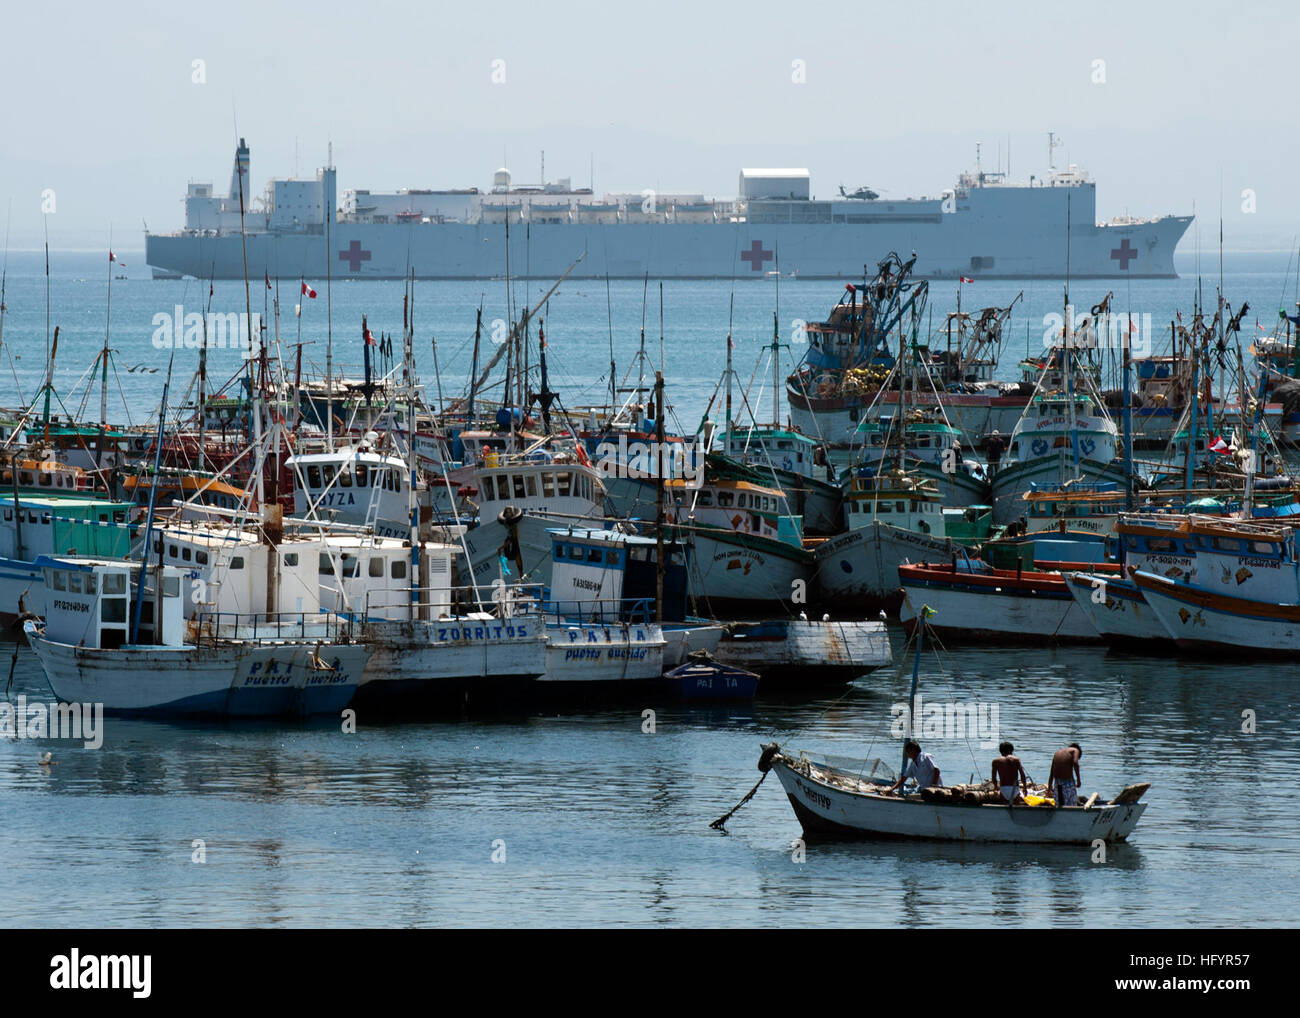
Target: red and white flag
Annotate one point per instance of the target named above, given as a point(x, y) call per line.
point(268, 280)
point(370, 338)
point(112, 257)
point(1219, 445)
point(308, 291)
point(1260, 327)
point(967, 279)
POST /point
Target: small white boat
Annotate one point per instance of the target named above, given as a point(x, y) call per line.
point(833, 801)
point(799, 653)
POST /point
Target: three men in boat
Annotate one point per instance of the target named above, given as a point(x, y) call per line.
point(920, 766)
point(1063, 781)
point(1006, 770)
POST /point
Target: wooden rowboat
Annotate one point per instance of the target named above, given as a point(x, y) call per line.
point(834, 801)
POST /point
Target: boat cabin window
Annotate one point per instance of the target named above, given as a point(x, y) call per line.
point(90, 583)
point(1263, 547)
point(742, 500)
point(899, 506)
point(548, 485)
point(398, 570)
point(503, 487)
point(345, 478)
point(726, 498)
point(24, 477)
point(171, 550)
point(706, 498)
point(377, 568)
point(114, 583)
point(112, 609)
point(1226, 544)
point(186, 554)
point(327, 474)
point(593, 555)
point(201, 557)
point(237, 562)
point(639, 554)
point(313, 476)
point(564, 482)
point(531, 480)
point(519, 485)
point(74, 583)
point(611, 557)
point(291, 558)
point(363, 476)
point(59, 582)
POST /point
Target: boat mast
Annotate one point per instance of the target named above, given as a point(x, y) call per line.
point(148, 523)
point(412, 502)
point(916, 671)
point(659, 497)
point(730, 319)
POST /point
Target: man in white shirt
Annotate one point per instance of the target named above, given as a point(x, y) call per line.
point(920, 766)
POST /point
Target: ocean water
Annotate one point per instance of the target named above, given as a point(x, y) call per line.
point(596, 823)
point(592, 820)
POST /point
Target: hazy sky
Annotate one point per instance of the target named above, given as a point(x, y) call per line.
point(101, 107)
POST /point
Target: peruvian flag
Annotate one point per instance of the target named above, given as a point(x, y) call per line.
point(112, 257)
point(1260, 327)
point(268, 280)
point(308, 291)
point(967, 279)
point(1219, 445)
point(370, 338)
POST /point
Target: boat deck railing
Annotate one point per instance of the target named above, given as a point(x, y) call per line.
point(499, 599)
point(603, 611)
point(267, 627)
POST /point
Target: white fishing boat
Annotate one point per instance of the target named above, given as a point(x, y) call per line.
point(521, 498)
point(1212, 622)
point(863, 799)
point(802, 653)
point(611, 576)
point(1061, 437)
point(1153, 542)
point(849, 802)
point(972, 600)
point(893, 519)
point(104, 642)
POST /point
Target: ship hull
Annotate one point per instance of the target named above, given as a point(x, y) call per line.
point(1024, 247)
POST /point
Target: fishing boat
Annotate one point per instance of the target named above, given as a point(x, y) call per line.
point(840, 801)
point(857, 799)
point(973, 600)
point(803, 653)
point(1207, 621)
point(746, 551)
point(892, 519)
point(1060, 438)
point(113, 639)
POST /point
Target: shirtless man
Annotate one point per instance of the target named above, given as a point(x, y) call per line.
point(1006, 769)
point(1063, 781)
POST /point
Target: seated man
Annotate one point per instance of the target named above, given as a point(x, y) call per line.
point(1006, 769)
point(1063, 781)
point(920, 766)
